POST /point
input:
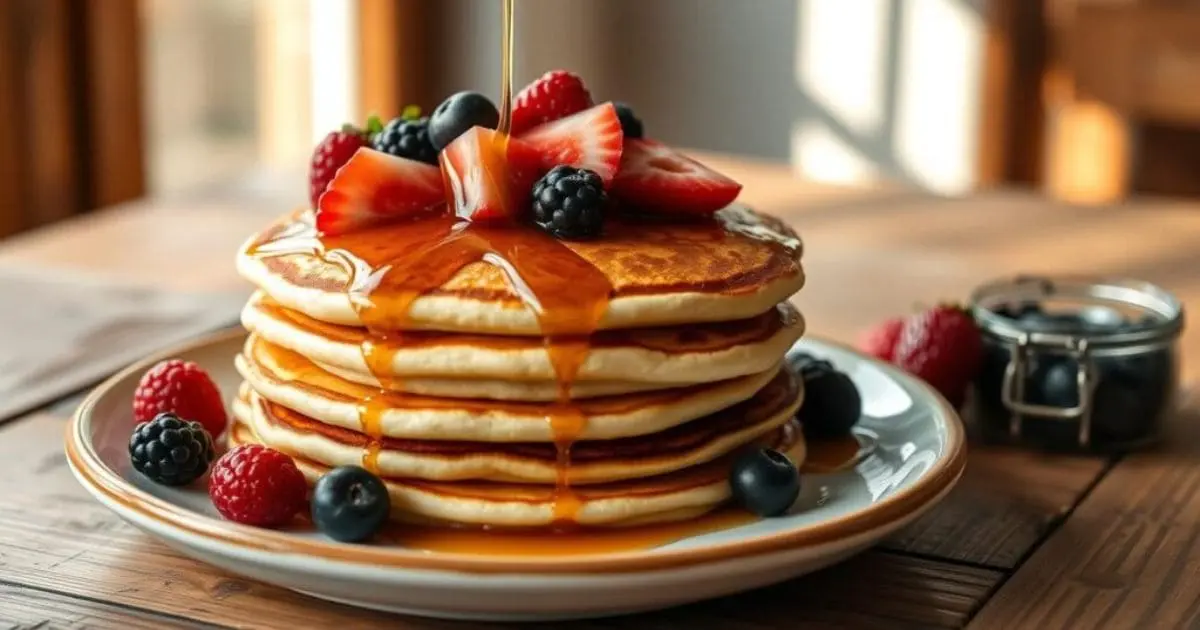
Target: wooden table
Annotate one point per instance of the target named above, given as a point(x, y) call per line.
point(1025, 541)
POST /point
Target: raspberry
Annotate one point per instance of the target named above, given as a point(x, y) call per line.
point(334, 151)
point(181, 388)
point(556, 95)
point(256, 485)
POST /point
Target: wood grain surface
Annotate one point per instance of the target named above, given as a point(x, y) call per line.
point(1006, 502)
point(1129, 555)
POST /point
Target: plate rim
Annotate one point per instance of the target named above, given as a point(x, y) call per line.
point(98, 478)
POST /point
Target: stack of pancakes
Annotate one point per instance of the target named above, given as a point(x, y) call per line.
point(502, 378)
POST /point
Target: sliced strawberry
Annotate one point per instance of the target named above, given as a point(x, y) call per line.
point(591, 139)
point(655, 177)
point(489, 177)
point(375, 187)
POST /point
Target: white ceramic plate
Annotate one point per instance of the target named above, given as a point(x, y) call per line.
point(918, 455)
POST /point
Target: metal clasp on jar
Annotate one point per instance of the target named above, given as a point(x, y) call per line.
point(1016, 374)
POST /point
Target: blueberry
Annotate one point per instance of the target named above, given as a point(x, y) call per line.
point(832, 403)
point(631, 125)
point(350, 504)
point(1054, 383)
point(765, 482)
point(459, 113)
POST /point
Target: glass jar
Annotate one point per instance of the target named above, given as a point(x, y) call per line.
point(1076, 364)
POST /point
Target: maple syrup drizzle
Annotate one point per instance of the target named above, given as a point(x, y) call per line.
point(392, 266)
point(506, 69)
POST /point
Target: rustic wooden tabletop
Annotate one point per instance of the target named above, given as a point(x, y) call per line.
point(1025, 541)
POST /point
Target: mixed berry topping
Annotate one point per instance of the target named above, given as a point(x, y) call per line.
point(569, 203)
point(181, 388)
point(256, 485)
point(363, 178)
point(170, 450)
point(349, 504)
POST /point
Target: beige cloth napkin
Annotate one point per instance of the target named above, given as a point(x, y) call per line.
point(60, 333)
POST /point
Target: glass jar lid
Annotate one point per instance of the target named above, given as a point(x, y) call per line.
point(1117, 313)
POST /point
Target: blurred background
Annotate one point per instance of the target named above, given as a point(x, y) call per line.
point(1087, 100)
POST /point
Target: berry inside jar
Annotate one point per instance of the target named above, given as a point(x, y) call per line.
point(1076, 364)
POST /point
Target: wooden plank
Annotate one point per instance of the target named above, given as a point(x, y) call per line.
point(1127, 557)
point(55, 537)
point(53, 142)
point(394, 56)
point(1013, 111)
point(23, 607)
point(112, 99)
point(875, 590)
point(12, 167)
point(1005, 504)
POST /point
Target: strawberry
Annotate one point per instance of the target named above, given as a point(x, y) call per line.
point(330, 155)
point(555, 95)
point(880, 341)
point(490, 177)
point(656, 178)
point(375, 187)
point(590, 139)
point(943, 347)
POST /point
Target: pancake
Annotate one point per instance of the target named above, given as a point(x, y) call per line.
point(523, 282)
point(682, 355)
point(592, 461)
point(677, 496)
point(288, 379)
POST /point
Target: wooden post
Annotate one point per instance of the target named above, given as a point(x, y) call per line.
point(394, 55)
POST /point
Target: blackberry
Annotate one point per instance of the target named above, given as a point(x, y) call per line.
point(407, 138)
point(170, 450)
point(569, 203)
point(631, 125)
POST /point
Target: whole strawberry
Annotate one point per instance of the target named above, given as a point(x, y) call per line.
point(880, 341)
point(330, 155)
point(256, 485)
point(183, 389)
point(943, 347)
point(554, 96)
